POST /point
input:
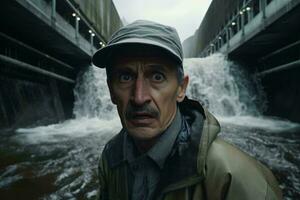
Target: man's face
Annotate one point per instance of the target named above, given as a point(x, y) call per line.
point(146, 91)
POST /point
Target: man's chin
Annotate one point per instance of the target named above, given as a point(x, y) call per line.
point(143, 133)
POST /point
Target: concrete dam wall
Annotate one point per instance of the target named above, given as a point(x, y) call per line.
point(44, 45)
point(263, 37)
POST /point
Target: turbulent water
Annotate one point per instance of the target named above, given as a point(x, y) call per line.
point(59, 161)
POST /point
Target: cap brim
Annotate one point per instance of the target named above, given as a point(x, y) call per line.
point(101, 57)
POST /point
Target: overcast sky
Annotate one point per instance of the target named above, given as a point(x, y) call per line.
point(184, 15)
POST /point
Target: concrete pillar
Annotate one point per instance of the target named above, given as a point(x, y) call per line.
point(244, 11)
point(243, 24)
point(238, 19)
point(250, 13)
point(77, 28)
point(262, 7)
point(231, 34)
point(221, 41)
point(53, 11)
point(228, 37)
point(92, 41)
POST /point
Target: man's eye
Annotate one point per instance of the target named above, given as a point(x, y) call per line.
point(125, 77)
point(158, 77)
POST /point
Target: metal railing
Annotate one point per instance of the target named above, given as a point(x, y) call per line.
point(13, 53)
point(18, 63)
point(66, 13)
point(244, 14)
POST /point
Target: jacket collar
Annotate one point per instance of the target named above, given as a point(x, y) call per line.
point(181, 168)
point(187, 166)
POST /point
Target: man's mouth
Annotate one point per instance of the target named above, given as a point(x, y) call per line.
point(141, 118)
point(142, 115)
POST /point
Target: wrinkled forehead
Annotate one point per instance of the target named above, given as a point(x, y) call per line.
point(143, 65)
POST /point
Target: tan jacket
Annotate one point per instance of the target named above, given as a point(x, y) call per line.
point(207, 168)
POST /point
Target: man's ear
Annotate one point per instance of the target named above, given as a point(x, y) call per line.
point(182, 88)
point(112, 96)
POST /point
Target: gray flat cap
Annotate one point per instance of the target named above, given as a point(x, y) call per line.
point(145, 33)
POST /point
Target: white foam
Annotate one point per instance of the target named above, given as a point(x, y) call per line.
point(266, 123)
point(69, 129)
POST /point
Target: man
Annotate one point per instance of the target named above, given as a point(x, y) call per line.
point(168, 147)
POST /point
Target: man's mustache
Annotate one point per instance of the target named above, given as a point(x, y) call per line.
point(132, 111)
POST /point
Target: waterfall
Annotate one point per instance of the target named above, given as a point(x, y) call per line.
point(92, 97)
point(221, 86)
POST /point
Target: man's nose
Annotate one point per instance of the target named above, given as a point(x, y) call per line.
point(141, 92)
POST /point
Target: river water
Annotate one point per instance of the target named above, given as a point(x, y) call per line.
point(59, 161)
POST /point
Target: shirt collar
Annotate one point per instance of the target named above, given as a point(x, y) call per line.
point(163, 147)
